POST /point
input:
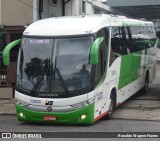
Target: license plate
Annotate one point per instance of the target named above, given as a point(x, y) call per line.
point(50, 118)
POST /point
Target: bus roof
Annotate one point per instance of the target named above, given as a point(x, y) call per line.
point(79, 25)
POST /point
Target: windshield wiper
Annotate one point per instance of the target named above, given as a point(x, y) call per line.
point(62, 80)
point(37, 85)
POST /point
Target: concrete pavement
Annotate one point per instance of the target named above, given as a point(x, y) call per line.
point(142, 106)
point(7, 106)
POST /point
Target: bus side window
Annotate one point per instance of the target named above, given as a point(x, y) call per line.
point(101, 66)
point(141, 37)
point(129, 40)
point(124, 41)
point(121, 41)
point(115, 45)
point(134, 31)
point(151, 39)
point(116, 42)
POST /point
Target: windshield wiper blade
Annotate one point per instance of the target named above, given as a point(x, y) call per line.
point(37, 85)
point(62, 80)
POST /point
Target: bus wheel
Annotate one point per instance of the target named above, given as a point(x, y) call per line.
point(112, 105)
point(145, 88)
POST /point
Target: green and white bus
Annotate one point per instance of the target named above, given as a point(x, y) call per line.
point(76, 70)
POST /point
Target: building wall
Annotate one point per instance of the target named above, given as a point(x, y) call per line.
point(89, 8)
point(78, 7)
point(16, 12)
point(73, 8)
point(51, 10)
point(35, 10)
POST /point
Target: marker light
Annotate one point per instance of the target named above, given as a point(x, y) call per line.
point(83, 117)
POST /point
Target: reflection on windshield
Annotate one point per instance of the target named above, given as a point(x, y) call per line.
point(54, 65)
point(72, 61)
point(33, 69)
point(38, 70)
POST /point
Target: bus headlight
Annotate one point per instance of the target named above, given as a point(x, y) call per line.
point(79, 105)
point(21, 103)
point(83, 104)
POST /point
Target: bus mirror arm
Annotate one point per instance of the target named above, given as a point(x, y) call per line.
point(95, 50)
point(7, 49)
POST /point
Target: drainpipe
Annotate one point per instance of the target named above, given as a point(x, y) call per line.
point(40, 9)
point(63, 6)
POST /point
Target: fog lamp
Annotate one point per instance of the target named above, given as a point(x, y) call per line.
point(83, 117)
point(21, 115)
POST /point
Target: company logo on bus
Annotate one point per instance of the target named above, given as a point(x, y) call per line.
point(48, 102)
point(49, 109)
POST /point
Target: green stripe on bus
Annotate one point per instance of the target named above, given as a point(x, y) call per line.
point(130, 69)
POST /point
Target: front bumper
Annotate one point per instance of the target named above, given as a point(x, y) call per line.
point(61, 117)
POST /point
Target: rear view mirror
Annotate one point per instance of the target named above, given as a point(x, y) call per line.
point(95, 50)
point(7, 49)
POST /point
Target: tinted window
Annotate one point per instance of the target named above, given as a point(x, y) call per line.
point(101, 66)
point(142, 37)
point(121, 40)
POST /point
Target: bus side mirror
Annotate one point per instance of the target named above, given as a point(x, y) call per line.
point(7, 49)
point(95, 50)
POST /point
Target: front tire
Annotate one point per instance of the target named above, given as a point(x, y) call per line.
point(145, 88)
point(112, 105)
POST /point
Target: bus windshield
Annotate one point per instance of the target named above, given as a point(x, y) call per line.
point(58, 66)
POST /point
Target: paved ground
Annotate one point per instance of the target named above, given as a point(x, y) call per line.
point(11, 124)
point(141, 106)
point(7, 106)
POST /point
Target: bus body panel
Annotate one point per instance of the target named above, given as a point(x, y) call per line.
point(102, 93)
point(35, 109)
point(73, 117)
point(57, 102)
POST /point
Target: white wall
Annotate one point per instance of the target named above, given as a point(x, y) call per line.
point(73, 8)
point(89, 8)
point(50, 10)
point(35, 13)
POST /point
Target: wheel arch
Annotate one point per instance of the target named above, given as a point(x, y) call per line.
point(113, 94)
